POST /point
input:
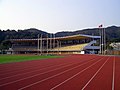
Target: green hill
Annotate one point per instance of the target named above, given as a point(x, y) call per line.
point(112, 34)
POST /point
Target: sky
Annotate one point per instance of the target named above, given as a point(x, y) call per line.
point(58, 15)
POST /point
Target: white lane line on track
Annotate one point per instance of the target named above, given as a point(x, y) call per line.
point(23, 69)
point(34, 68)
point(33, 71)
point(41, 74)
point(58, 75)
point(19, 68)
point(38, 70)
point(26, 68)
point(113, 78)
point(74, 75)
point(95, 74)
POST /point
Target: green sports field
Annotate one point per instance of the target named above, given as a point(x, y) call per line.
point(19, 58)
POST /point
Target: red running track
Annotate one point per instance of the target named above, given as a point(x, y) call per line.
point(74, 72)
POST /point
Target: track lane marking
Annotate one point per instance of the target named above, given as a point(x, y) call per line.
point(33, 71)
point(43, 73)
point(19, 68)
point(58, 75)
point(29, 68)
point(23, 69)
point(113, 78)
point(95, 74)
point(39, 70)
point(74, 75)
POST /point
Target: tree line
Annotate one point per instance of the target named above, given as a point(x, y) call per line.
point(112, 34)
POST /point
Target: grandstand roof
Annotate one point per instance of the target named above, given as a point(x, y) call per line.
point(73, 37)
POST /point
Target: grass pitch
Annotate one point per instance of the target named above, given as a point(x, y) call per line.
point(19, 58)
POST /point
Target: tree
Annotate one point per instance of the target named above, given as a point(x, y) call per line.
point(5, 45)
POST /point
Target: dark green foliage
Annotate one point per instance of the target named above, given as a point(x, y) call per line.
point(5, 45)
point(20, 34)
point(112, 34)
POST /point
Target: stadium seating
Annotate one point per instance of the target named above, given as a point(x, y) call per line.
point(25, 48)
point(77, 47)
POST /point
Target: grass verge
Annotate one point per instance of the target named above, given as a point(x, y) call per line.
point(19, 58)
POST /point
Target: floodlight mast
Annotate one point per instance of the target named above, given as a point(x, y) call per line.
point(41, 44)
point(102, 39)
point(50, 42)
point(47, 44)
point(38, 44)
point(93, 44)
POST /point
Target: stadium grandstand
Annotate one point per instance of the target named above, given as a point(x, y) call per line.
point(75, 44)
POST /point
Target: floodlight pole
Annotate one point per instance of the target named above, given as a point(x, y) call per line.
point(54, 41)
point(38, 44)
point(43, 47)
point(50, 42)
point(47, 44)
point(58, 45)
point(100, 39)
point(93, 44)
point(41, 44)
point(104, 40)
